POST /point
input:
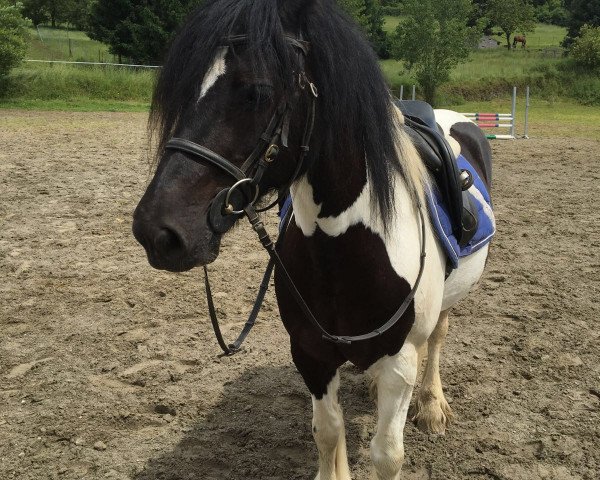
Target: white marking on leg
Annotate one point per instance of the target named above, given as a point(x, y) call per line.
point(395, 378)
point(432, 413)
point(330, 435)
point(216, 70)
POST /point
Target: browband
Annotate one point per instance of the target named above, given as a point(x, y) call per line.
point(242, 39)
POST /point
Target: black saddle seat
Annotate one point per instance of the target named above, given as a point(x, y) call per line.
point(440, 160)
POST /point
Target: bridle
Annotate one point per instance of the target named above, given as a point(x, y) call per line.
point(226, 208)
point(229, 204)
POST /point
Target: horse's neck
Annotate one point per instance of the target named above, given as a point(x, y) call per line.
point(317, 202)
point(308, 211)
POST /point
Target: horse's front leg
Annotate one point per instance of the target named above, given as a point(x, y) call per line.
point(323, 381)
point(395, 379)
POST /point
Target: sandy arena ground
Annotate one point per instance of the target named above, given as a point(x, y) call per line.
point(109, 369)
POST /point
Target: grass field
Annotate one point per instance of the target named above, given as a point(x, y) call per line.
point(78, 87)
point(69, 45)
point(543, 50)
point(75, 104)
point(390, 23)
point(544, 36)
point(562, 119)
point(75, 88)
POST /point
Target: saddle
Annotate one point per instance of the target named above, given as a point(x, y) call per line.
point(440, 161)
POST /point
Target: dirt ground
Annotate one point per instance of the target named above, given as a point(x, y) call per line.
point(109, 369)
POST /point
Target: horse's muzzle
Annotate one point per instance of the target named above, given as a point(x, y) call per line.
point(169, 247)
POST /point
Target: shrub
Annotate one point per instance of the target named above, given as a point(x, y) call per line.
point(586, 90)
point(586, 48)
point(553, 12)
point(392, 10)
point(13, 36)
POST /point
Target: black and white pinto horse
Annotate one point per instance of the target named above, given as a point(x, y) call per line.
point(242, 77)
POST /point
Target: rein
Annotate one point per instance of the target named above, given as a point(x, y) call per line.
point(270, 247)
point(223, 213)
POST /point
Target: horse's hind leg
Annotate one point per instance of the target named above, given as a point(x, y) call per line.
point(432, 410)
point(395, 379)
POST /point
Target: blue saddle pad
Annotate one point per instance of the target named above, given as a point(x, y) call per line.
point(284, 210)
point(440, 219)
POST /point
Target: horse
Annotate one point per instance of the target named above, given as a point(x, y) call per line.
point(262, 97)
point(520, 39)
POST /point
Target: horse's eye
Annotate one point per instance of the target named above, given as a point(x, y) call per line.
point(256, 95)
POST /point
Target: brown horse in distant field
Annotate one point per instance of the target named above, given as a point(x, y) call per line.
point(520, 39)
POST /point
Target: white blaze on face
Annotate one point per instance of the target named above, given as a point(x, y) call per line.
point(216, 70)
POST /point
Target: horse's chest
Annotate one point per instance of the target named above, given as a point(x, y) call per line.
point(351, 287)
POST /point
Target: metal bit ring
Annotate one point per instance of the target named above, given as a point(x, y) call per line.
point(229, 207)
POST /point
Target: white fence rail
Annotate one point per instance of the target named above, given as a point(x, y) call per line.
point(94, 63)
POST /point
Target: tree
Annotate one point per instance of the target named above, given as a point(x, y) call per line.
point(586, 48)
point(105, 24)
point(369, 15)
point(375, 31)
point(583, 12)
point(13, 36)
point(433, 37)
point(137, 29)
point(77, 13)
point(551, 11)
point(511, 16)
point(35, 10)
point(74, 12)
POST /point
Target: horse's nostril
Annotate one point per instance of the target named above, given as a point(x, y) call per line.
point(168, 242)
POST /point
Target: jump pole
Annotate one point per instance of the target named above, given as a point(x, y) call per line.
point(514, 112)
point(526, 113)
point(497, 120)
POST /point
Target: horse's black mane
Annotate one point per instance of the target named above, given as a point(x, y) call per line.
point(354, 108)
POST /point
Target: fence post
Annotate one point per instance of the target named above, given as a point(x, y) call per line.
point(401, 92)
point(514, 112)
point(414, 92)
point(526, 113)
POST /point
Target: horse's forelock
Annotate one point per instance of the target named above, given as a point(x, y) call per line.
point(193, 51)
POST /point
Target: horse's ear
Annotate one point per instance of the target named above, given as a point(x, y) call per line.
point(292, 11)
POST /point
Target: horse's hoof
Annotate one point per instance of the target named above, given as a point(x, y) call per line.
point(432, 414)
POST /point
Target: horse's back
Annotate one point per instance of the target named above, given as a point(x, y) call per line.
point(468, 140)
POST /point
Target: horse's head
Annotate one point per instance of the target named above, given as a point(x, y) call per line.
point(231, 107)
